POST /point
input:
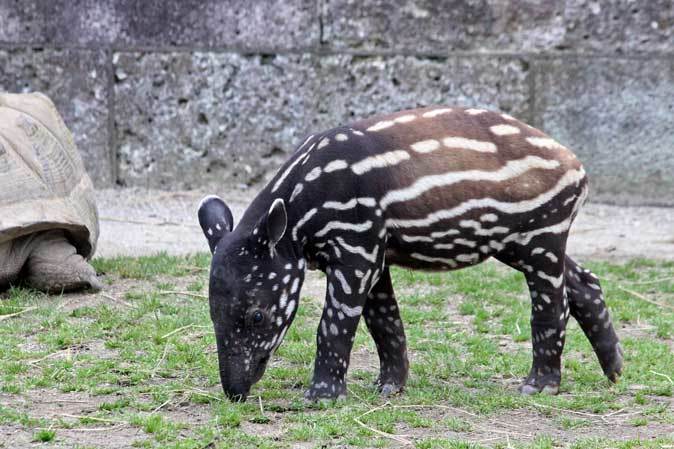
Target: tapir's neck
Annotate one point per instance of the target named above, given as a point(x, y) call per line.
point(260, 206)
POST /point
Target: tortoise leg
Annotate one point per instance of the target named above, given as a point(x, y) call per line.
point(54, 266)
point(13, 255)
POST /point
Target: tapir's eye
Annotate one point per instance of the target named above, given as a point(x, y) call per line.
point(257, 317)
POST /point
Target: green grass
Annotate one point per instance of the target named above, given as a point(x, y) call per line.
point(146, 360)
point(45, 435)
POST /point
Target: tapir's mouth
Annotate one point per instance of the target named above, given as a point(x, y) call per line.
point(238, 392)
point(260, 369)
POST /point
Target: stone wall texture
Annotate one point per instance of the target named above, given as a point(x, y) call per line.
point(183, 94)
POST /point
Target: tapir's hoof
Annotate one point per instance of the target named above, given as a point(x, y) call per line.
point(388, 390)
point(324, 394)
point(528, 389)
point(613, 367)
point(310, 399)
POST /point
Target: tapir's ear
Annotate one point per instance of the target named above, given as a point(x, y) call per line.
point(215, 219)
point(277, 221)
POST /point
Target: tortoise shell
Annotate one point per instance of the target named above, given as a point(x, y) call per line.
point(43, 183)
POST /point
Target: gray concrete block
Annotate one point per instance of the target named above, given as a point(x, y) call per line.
point(77, 83)
point(185, 120)
point(618, 116)
point(18, 22)
point(439, 27)
point(357, 86)
point(266, 24)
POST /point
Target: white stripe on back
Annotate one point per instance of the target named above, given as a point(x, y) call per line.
point(367, 202)
point(512, 169)
point(469, 144)
point(436, 112)
point(380, 160)
point(569, 178)
point(356, 227)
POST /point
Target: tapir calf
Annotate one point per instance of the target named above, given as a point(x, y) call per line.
point(434, 189)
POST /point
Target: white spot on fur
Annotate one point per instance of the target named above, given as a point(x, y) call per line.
point(295, 286)
point(464, 242)
point(468, 258)
point(296, 191)
point(436, 112)
point(405, 118)
point(545, 142)
point(504, 130)
point(555, 281)
point(425, 146)
point(339, 164)
point(381, 125)
point(323, 143)
point(313, 174)
point(290, 309)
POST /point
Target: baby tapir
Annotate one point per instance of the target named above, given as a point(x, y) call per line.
point(434, 189)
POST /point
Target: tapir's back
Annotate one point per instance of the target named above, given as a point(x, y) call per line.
point(442, 175)
point(448, 183)
point(473, 151)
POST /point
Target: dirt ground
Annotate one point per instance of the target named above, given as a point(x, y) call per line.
point(517, 425)
point(137, 222)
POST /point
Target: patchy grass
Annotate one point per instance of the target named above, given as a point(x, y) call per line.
point(137, 366)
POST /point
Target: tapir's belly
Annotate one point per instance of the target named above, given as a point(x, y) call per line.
point(464, 240)
point(446, 249)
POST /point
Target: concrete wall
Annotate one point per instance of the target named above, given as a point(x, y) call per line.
point(180, 94)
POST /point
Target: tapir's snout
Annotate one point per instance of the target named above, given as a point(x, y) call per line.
point(235, 380)
point(236, 392)
point(239, 371)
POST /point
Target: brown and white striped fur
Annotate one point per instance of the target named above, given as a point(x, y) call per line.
point(438, 188)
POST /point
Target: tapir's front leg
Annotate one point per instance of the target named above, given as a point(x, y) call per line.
point(344, 303)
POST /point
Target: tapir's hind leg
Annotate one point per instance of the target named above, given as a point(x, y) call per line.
point(542, 261)
point(589, 309)
point(383, 320)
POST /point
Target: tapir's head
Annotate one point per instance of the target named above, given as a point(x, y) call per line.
point(254, 290)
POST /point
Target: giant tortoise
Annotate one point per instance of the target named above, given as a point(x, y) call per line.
point(48, 216)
